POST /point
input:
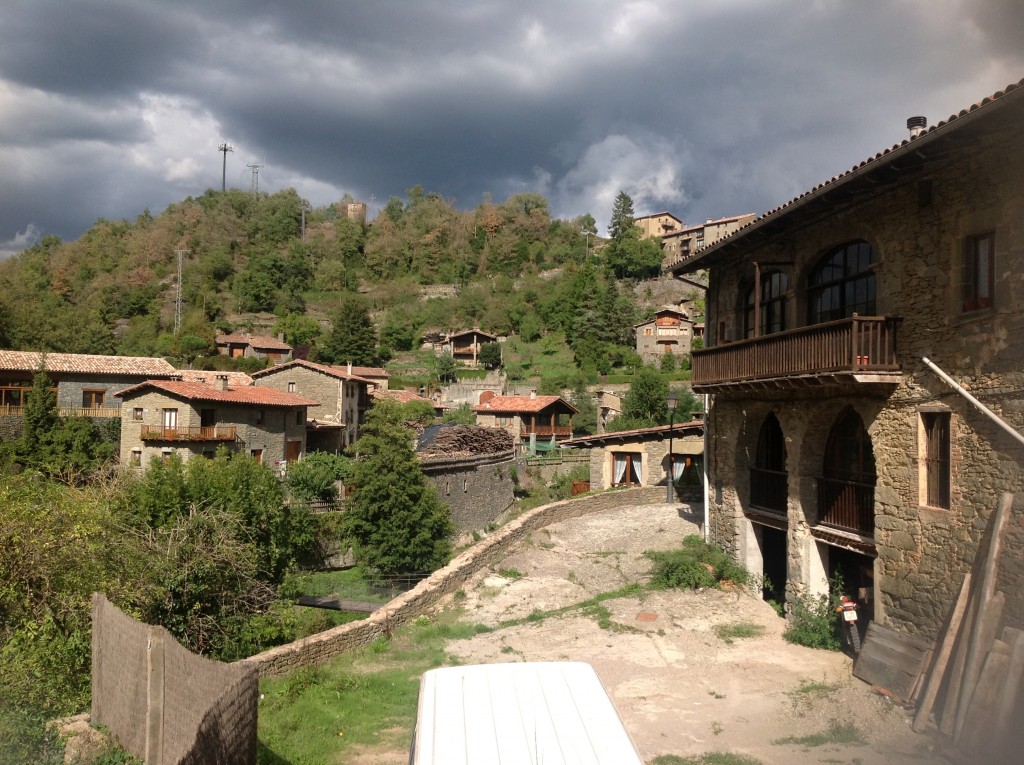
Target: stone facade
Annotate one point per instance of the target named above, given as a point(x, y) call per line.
point(477, 489)
point(340, 398)
point(919, 224)
point(279, 427)
point(669, 332)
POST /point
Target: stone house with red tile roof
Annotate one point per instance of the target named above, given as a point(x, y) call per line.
point(163, 417)
point(669, 332)
point(657, 225)
point(84, 383)
point(343, 397)
point(529, 419)
point(835, 443)
point(244, 345)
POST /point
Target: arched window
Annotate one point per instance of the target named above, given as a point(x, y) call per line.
point(768, 478)
point(774, 286)
point(846, 490)
point(842, 284)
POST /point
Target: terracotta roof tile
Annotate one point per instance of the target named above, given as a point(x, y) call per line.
point(82, 363)
point(194, 391)
point(657, 430)
point(401, 396)
point(340, 373)
point(520, 404)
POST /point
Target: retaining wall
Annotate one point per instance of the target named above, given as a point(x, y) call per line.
point(321, 647)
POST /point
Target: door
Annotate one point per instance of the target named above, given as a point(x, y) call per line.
point(293, 450)
point(170, 423)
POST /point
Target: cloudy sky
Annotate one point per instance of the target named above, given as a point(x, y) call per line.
point(704, 108)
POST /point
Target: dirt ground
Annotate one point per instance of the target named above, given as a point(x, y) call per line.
point(679, 688)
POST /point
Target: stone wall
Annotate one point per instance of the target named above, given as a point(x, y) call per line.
point(321, 647)
point(164, 704)
point(917, 231)
point(478, 489)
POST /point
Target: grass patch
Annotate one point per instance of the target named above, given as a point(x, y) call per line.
point(695, 565)
point(709, 758)
point(511, 573)
point(838, 733)
point(346, 584)
point(738, 630)
point(589, 607)
point(812, 688)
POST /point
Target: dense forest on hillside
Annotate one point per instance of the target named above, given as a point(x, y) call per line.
point(271, 263)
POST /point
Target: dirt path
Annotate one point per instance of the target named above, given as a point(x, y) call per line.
point(680, 688)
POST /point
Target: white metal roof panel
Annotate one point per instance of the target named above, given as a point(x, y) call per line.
point(540, 713)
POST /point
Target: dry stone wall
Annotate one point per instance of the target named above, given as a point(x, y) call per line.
point(321, 647)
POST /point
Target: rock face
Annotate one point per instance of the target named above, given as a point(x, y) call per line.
point(82, 742)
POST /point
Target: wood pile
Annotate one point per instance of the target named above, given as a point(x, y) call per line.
point(467, 441)
point(978, 668)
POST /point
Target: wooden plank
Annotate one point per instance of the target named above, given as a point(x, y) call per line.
point(938, 669)
point(975, 735)
point(335, 604)
point(985, 633)
point(978, 647)
point(956, 676)
point(1010, 697)
point(890, 660)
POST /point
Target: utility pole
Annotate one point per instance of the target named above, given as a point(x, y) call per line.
point(255, 167)
point(224, 148)
point(177, 302)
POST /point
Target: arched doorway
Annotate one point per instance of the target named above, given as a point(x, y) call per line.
point(769, 494)
point(846, 504)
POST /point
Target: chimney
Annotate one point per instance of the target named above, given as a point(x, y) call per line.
point(350, 367)
point(280, 337)
point(533, 395)
point(222, 382)
point(916, 126)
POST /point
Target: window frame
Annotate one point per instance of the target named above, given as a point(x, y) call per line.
point(936, 458)
point(817, 285)
point(978, 287)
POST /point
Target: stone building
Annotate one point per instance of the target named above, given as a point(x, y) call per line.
point(531, 420)
point(342, 395)
point(669, 332)
point(834, 445)
point(244, 345)
point(190, 419)
point(641, 457)
point(657, 225)
point(686, 241)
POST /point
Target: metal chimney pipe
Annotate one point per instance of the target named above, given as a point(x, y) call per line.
point(916, 126)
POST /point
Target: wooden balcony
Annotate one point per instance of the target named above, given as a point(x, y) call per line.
point(858, 350)
point(769, 490)
point(847, 505)
point(208, 433)
point(67, 411)
point(546, 431)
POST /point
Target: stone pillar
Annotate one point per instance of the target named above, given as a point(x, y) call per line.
point(155, 697)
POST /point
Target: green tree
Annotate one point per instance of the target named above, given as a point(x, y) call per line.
point(298, 329)
point(395, 519)
point(41, 416)
point(461, 415)
point(584, 422)
point(623, 218)
point(444, 367)
point(352, 336)
point(490, 355)
point(644, 405)
point(316, 476)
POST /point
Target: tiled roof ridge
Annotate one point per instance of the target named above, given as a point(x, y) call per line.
point(684, 425)
point(327, 369)
point(85, 363)
point(246, 394)
point(999, 94)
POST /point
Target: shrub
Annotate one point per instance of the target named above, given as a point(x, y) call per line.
point(696, 564)
point(316, 476)
point(814, 621)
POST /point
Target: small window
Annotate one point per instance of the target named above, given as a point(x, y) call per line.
point(300, 417)
point(92, 399)
point(256, 454)
point(261, 416)
point(291, 387)
point(465, 484)
point(136, 457)
point(648, 331)
point(936, 458)
point(166, 454)
point(137, 414)
point(979, 267)
point(209, 454)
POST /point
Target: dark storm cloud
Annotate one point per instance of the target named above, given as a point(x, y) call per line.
point(704, 109)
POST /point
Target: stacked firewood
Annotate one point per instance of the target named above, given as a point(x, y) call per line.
point(467, 440)
point(977, 670)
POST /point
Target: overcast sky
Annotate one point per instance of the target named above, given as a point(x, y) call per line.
point(702, 108)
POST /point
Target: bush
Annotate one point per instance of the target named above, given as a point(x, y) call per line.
point(814, 621)
point(695, 565)
point(315, 476)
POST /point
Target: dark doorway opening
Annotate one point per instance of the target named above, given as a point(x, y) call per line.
point(773, 553)
point(858, 575)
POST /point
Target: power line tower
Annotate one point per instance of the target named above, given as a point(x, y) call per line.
point(224, 148)
point(255, 167)
point(177, 301)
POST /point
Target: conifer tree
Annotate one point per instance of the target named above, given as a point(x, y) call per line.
point(352, 337)
point(394, 519)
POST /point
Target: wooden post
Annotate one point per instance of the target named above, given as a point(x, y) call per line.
point(977, 650)
point(155, 697)
point(938, 669)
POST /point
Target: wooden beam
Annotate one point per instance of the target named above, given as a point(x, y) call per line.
point(938, 669)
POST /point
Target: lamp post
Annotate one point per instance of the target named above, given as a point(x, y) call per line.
point(670, 402)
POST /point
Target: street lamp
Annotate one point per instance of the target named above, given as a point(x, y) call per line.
point(670, 402)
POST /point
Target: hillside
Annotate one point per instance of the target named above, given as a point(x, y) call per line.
point(247, 263)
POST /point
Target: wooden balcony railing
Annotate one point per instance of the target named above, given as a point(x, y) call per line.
point(549, 430)
point(207, 433)
point(858, 345)
point(769, 489)
point(847, 505)
point(67, 411)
